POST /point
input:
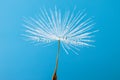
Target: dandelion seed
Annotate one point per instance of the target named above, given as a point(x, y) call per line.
point(71, 31)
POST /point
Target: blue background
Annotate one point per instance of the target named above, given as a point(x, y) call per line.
point(19, 60)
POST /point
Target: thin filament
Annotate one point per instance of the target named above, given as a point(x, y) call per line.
point(54, 77)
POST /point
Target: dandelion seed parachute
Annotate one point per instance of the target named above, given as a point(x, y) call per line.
point(71, 29)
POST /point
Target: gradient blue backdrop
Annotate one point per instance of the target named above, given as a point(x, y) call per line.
point(19, 60)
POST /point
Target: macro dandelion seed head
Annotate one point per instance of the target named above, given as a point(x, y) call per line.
point(73, 30)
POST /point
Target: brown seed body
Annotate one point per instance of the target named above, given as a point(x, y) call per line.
point(54, 76)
